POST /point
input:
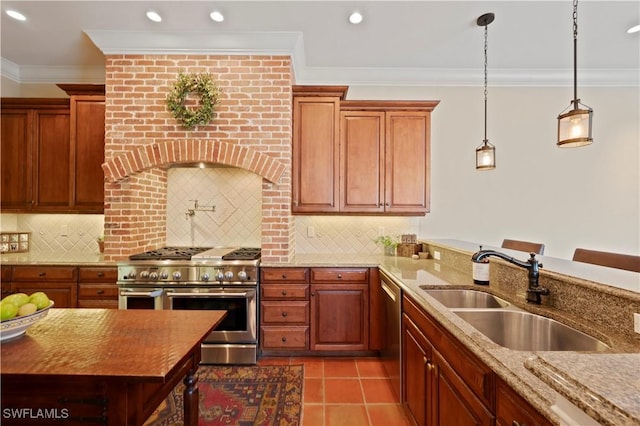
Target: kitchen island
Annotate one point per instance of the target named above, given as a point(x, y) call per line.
point(104, 366)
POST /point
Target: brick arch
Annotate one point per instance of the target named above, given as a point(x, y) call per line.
point(163, 154)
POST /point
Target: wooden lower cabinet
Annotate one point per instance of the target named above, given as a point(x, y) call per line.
point(97, 287)
point(443, 383)
point(513, 410)
point(58, 282)
point(314, 310)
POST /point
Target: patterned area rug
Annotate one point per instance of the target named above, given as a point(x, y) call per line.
point(240, 395)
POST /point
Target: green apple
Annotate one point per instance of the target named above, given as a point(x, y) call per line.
point(8, 310)
point(27, 309)
point(17, 299)
point(40, 299)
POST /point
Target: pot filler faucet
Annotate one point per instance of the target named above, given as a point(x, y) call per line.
point(534, 291)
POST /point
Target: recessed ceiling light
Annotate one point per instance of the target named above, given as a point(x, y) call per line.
point(355, 18)
point(217, 16)
point(154, 16)
point(634, 29)
point(16, 15)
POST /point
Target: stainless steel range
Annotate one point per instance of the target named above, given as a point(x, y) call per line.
point(200, 278)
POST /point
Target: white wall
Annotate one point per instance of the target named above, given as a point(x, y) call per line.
point(566, 198)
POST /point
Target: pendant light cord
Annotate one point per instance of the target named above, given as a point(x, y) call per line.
point(575, 53)
point(485, 81)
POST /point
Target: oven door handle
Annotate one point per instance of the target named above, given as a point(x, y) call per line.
point(177, 294)
point(154, 293)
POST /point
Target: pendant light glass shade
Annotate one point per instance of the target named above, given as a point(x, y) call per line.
point(575, 122)
point(574, 126)
point(486, 156)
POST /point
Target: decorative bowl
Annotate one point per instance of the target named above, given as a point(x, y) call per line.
point(17, 326)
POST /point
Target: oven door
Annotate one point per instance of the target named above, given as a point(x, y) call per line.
point(240, 323)
point(140, 298)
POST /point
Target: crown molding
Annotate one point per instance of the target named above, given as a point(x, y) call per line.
point(292, 44)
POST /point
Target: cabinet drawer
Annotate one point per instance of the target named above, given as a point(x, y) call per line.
point(46, 273)
point(357, 275)
point(97, 291)
point(284, 337)
point(285, 291)
point(284, 312)
point(98, 274)
point(285, 274)
point(95, 303)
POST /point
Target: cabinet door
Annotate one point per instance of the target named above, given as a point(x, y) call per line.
point(53, 165)
point(63, 294)
point(15, 157)
point(455, 404)
point(416, 353)
point(362, 161)
point(315, 154)
point(512, 409)
point(339, 317)
point(87, 140)
point(407, 167)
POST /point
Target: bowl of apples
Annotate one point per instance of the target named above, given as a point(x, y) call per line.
point(19, 311)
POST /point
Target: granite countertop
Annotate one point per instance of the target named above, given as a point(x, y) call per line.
point(55, 258)
point(618, 399)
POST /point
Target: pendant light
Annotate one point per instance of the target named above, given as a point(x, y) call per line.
point(485, 153)
point(574, 123)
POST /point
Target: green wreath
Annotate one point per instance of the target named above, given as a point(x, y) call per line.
point(209, 93)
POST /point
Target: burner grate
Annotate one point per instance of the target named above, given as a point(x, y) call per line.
point(244, 253)
point(169, 253)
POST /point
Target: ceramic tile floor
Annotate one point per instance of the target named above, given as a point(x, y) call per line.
point(346, 392)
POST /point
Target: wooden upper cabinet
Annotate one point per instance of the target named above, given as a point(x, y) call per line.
point(407, 161)
point(15, 191)
point(87, 139)
point(315, 154)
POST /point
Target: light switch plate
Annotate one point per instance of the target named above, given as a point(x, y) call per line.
point(636, 323)
point(436, 255)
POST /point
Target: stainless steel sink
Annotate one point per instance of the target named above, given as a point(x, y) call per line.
point(456, 298)
point(523, 331)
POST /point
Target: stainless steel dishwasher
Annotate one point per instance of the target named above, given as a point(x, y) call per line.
point(391, 315)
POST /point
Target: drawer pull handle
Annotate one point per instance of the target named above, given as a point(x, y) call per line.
point(284, 276)
point(339, 276)
point(100, 274)
point(516, 423)
point(284, 292)
point(284, 314)
point(42, 274)
point(100, 292)
point(284, 339)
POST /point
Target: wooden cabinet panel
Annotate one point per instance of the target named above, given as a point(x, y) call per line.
point(97, 287)
point(315, 154)
point(63, 294)
point(296, 312)
point(279, 338)
point(336, 275)
point(48, 273)
point(284, 291)
point(97, 274)
point(407, 161)
point(87, 139)
point(339, 317)
point(15, 157)
point(285, 275)
point(416, 353)
point(512, 409)
point(362, 161)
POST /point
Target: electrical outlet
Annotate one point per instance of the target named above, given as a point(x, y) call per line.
point(436, 255)
point(636, 323)
point(311, 232)
point(380, 231)
point(436, 266)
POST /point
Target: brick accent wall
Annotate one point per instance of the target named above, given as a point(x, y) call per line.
point(251, 129)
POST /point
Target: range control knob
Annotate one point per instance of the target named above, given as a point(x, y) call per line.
point(242, 275)
point(205, 277)
point(177, 275)
point(164, 275)
point(144, 274)
point(219, 276)
point(131, 275)
point(153, 276)
point(228, 275)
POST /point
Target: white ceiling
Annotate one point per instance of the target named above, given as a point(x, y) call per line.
point(398, 43)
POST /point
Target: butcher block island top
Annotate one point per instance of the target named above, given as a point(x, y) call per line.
point(105, 366)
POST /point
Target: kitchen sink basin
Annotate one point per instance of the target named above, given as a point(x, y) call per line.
point(523, 331)
point(456, 298)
